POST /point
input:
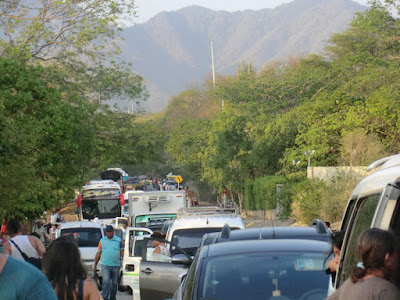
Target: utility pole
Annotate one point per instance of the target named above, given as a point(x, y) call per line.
point(212, 64)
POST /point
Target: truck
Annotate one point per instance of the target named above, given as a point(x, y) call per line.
point(146, 206)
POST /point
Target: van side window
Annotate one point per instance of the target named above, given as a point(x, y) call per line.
point(362, 221)
point(395, 226)
point(349, 212)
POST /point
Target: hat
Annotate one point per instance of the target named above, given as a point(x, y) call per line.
point(109, 228)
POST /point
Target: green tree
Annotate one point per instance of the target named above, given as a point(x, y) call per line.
point(78, 37)
point(47, 139)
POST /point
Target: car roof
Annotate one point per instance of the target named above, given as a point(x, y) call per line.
point(207, 222)
point(316, 231)
point(281, 232)
point(82, 224)
point(253, 246)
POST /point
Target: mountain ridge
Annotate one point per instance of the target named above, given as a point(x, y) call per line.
point(172, 50)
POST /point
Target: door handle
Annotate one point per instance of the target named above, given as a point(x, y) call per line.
point(147, 271)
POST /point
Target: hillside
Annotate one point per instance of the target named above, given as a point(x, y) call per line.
point(172, 50)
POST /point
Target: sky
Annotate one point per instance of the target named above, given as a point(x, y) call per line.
point(149, 8)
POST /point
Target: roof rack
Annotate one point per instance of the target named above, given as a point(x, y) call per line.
point(206, 211)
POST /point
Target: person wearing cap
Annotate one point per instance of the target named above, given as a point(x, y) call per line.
point(111, 251)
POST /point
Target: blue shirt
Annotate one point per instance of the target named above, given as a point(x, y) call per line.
point(110, 251)
point(21, 280)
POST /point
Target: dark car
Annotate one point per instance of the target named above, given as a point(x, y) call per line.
point(258, 269)
point(316, 231)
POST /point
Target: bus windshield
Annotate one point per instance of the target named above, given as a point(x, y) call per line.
point(103, 209)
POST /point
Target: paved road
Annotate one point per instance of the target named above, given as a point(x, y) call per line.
point(124, 296)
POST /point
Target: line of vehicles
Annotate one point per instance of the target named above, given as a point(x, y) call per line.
point(213, 256)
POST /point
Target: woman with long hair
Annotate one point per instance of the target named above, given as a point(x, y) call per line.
point(66, 273)
point(374, 276)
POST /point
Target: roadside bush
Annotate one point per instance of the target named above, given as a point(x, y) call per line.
point(285, 198)
point(248, 199)
point(261, 193)
point(336, 195)
point(307, 199)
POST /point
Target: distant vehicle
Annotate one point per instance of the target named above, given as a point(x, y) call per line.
point(119, 222)
point(87, 235)
point(133, 184)
point(257, 269)
point(101, 198)
point(374, 203)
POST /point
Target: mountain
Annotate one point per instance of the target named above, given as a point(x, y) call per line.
point(172, 50)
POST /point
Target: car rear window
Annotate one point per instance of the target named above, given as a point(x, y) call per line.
point(85, 237)
point(264, 275)
point(189, 239)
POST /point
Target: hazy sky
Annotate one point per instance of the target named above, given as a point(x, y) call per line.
point(149, 8)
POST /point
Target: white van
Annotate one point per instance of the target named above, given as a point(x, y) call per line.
point(374, 203)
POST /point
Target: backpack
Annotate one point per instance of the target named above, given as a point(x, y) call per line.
point(37, 262)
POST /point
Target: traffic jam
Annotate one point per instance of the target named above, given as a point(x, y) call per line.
point(141, 238)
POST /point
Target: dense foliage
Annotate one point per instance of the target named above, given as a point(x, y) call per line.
point(59, 62)
point(344, 104)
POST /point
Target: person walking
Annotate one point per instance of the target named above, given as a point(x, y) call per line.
point(64, 269)
point(110, 251)
point(41, 231)
point(374, 275)
point(20, 245)
point(22, 281)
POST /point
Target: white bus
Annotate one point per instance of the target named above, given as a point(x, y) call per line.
point(101, 198)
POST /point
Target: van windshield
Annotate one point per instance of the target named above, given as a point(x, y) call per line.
point(189, 238)
point(85, 237)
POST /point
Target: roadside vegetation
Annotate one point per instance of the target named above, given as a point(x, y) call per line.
point(57, 133)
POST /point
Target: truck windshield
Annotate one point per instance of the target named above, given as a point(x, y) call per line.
point(153, 221)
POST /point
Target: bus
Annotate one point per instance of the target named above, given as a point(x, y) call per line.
point(101, 198)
